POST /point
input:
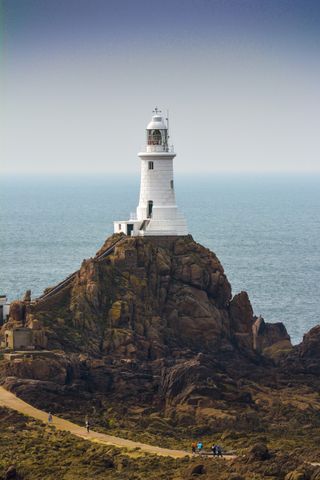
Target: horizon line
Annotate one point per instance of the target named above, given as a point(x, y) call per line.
point(69, 173)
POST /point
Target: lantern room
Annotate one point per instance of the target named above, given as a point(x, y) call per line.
point(157, 133)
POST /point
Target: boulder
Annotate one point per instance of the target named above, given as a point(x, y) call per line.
point(259, 452)
point(197, 470)
point(266, 335)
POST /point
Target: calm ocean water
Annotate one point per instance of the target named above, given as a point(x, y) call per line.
point(265, 230)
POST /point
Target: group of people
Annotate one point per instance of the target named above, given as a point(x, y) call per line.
point(198, 448)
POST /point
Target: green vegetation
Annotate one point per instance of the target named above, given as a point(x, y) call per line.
point(39, 452)
point(289, 424)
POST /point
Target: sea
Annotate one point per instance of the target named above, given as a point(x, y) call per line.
point(265, 229)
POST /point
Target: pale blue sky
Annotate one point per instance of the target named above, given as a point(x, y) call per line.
point(240, 78)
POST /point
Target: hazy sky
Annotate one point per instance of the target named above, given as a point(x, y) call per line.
point(241, 79)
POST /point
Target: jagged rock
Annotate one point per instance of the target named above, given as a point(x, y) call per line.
point(27, 296)
point(242, 319)
point(304, 358)
point(241, 313)
point(310, 346)
point(266, 335)
point(17, 312)
point(199, 383)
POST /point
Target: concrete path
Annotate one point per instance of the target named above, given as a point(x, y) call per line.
point(9, 400)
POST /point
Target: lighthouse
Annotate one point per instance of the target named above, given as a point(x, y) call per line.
point(157, 213)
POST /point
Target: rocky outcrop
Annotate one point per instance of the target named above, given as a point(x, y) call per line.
point(305, 357)
point(27, 296)
point(242, 320)
point(270, 339)
point(154, 320)
point(310, 346)
point(150, 298)
point(17, 312)
point(57, 368)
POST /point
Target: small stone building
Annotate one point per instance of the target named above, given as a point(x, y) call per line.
point(18, 339)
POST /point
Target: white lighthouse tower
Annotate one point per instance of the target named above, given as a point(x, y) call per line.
point(157, 212)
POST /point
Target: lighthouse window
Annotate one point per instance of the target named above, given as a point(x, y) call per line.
point(150, 165)
point(171, 183)
point(156, 137)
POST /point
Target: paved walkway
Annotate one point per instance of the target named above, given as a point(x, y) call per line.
point(9, 400)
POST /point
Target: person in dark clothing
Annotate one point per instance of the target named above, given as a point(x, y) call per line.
point(88, 426)
point(219, 451)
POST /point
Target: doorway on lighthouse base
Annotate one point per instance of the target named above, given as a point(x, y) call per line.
point(150, 206)
point(129, 228)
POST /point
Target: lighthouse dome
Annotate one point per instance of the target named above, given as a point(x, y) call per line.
point(157, 123)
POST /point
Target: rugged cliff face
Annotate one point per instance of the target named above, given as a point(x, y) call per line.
point(149, 299)
point(153, 320)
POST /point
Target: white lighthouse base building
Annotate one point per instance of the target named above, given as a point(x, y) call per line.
point(157, 213)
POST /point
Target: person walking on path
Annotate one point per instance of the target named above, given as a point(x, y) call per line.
point(199, 447)
point(50, 418)
point(88, 426)
point(193, 447)
point(219, 451)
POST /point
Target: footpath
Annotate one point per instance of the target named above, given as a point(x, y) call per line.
point(9, 400)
